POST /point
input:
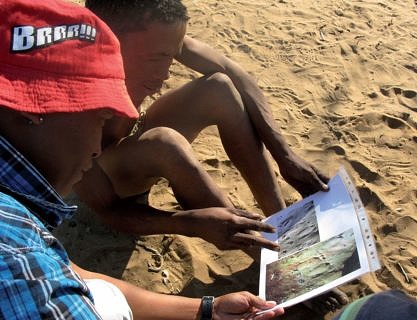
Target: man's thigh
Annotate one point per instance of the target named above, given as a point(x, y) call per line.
point(193, 106)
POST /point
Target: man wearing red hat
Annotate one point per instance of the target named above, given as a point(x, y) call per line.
point(61, 79)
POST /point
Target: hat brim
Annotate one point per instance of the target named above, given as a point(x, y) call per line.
point(39, 92)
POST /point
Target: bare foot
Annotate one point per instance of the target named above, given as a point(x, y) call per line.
point(329, 301)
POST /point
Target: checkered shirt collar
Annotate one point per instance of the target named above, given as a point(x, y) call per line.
point(19, 178)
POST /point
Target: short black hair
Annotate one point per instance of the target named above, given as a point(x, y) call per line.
point(135, 15)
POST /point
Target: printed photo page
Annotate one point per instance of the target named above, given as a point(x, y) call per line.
point(325, 241)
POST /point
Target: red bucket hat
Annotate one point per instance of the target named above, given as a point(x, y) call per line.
point(59, 57)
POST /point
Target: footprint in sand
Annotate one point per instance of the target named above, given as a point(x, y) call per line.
point(364, 172)
point(370, 198)
point(388, 228)
point(406, 226)
point(213, 162)
point(394, 122)
point(339, 150)
point(403, 227)
point(406, 97)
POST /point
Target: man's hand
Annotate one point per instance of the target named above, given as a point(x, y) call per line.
point(228, 228)
point(303, 176)
point(243, 305)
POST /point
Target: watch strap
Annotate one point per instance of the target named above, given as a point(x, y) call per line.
point(207, 308)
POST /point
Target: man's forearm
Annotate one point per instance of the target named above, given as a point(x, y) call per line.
point(141, 219)
point(146, 304)
point(223, 226)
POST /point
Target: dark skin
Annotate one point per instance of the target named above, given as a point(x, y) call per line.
point(62, 168)
point(131, 166)
point(300, 174)
point(122, 214)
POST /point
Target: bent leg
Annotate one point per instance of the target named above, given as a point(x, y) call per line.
point(213, 100)
point(136, 163)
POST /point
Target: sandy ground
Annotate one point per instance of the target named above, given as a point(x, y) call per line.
point(341, 79)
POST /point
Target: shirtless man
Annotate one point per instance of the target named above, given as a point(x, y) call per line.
point(152, 35)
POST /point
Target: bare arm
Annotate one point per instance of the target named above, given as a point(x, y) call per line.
point(204, 59)
point(148, 305)
point(227, 228)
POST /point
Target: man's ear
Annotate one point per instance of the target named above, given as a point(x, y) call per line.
point(32, 118)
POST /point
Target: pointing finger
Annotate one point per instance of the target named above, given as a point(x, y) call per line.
point(246, 239)
point(256, 225)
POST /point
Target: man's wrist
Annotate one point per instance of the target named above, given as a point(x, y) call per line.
point(185, 223)
point(206, 308)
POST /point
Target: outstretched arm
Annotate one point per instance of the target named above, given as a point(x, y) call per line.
point(227, 228)
point(300, 174)
point(154, 306)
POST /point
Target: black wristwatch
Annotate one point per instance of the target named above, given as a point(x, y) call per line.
point(207, 308)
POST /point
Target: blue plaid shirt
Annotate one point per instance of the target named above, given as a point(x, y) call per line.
point(36, 281)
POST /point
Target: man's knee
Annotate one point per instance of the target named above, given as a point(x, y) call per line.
point(221, 86)
point(164, 137)
point(137, 161)
point(225, 100)
point(171, 151)
point(167, 143)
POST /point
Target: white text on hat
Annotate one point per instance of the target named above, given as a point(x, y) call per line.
point(26, 38)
